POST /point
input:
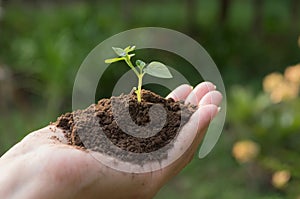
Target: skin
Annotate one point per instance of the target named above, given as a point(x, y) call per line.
point(42, 167)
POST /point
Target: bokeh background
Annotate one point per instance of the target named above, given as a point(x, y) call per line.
point(255, 44)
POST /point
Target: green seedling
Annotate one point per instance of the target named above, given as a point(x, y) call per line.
point(154, 68)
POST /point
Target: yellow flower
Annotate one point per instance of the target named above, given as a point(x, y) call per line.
point(271, 81)
point(284, 91)
point(292, 74)
point(281, 87)
point(281, 178)
point(245, 151)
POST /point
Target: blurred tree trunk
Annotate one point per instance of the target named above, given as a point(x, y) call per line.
point(191, 17)
point(224, 7)
point(295, 4)
point(258, 16)
point(1, 9)
point(126, 6)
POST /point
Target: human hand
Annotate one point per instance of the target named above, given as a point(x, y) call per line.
point(44, 166)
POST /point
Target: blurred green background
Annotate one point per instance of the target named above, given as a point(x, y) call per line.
point(42, 44)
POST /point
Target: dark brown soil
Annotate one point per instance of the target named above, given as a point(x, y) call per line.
point(126, 129)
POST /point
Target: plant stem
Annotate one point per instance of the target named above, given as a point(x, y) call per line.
point(139, 91)
point(131, 65)
point(139, 76)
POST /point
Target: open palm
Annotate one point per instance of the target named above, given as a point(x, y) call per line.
point(44, 166)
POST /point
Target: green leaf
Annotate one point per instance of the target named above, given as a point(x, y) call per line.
point(109, 61)
point(119, 51)
point(140, 63)
point(131, 55)
point(158, 69)
point(129, 49)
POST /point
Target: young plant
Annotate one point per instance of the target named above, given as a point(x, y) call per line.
point(154, 68)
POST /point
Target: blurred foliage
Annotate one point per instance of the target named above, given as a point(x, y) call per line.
point(274, 128)
point(258, 155)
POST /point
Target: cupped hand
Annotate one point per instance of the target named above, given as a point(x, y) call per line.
point(43, 165)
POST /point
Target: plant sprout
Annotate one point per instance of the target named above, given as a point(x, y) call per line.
point(154, 68)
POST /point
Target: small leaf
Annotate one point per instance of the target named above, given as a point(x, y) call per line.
point(129, 49)
point(158, 69)
point(140, 63)
point(131, 55)
point(109, 61)
point(119, 51)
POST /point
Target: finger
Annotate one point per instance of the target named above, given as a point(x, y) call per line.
point(199, 91)
point(198, 122)
point(212, 97)
point(181, 92)
point(189, 138)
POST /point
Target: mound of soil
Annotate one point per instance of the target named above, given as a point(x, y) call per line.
point(120, 124)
